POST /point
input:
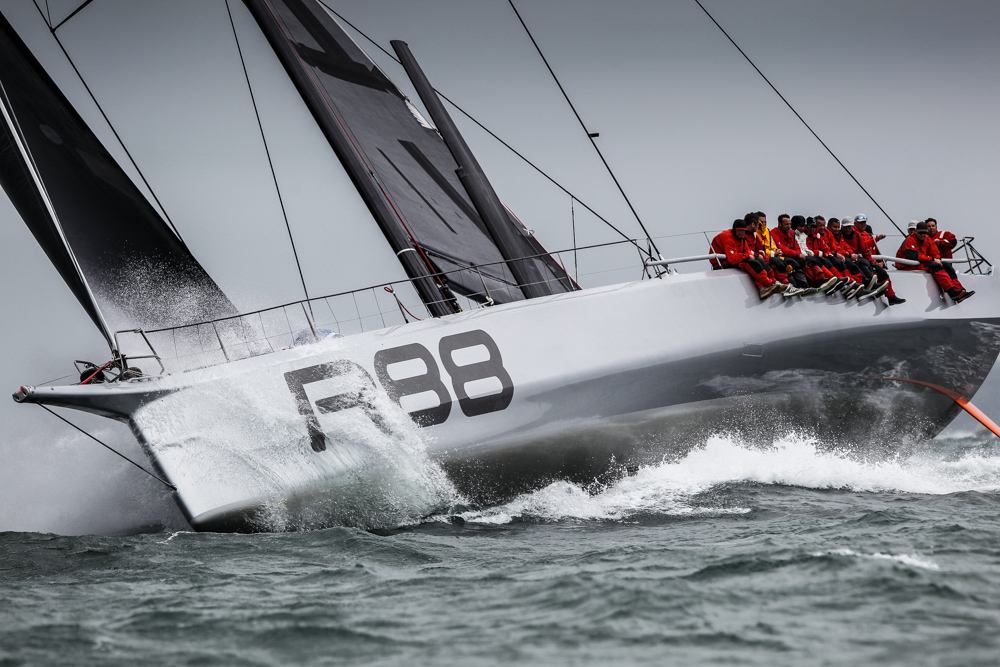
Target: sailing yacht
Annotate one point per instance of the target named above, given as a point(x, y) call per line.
point(490, 355)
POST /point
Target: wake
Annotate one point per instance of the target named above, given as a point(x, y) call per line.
point(672, 488)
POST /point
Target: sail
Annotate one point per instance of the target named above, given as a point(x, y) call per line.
point(397, 159)
point(116, 253)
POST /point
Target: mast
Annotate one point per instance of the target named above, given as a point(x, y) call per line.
point(88, 301)
point(473, 178)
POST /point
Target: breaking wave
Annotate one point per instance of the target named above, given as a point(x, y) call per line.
point(911, 560)
point(673, 487)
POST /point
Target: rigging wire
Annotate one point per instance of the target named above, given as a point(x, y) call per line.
point(42, 384)
point(72, 14)
point(104, 115)
point(108, 447)
point(483, 127)
point(789, 105)
point(590, 135)
point(267, 152)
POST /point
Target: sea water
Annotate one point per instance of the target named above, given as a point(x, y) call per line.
point(791, 554)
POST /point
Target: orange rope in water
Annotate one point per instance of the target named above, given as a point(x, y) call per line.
point(964, 403)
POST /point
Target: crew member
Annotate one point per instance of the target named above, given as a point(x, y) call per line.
point(734, 244)
point(842, 252)
point(873, 270)
point(820, 279)
point(945, 242)
point(789, 251)
point(818, 243)
point(920, 248)
point(848, 246)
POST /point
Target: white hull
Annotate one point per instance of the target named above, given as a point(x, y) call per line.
point(583, 385)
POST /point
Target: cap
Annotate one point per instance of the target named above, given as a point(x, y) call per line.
point(739, 223)
point(861, 217)
point(912, 225)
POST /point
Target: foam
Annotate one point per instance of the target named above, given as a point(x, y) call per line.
point(910, 560)
point(672, 487)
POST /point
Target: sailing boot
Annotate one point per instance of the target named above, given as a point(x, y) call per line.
point(792, 291)
point(964, 295)
point(841, 282)
point(829, 285)
point(895, 300)
point(852, 289)
point(767, 290)
point(865, 294)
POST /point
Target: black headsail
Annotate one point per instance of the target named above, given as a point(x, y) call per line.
point(398, 162)
point(116, 253)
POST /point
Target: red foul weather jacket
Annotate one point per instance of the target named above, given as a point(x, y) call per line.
point(945, 242)
point(786, 243)
point(820, 244)
point(866, 244)
point(736, 250)
point(844, 247)
point(922, 251)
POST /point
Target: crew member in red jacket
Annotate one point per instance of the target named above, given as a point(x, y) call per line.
point(920, 248)
point(739, 252)
point(945, 242)
point(876, 277)
point(866, 238)
point(817, 245)
point(789, 252)
point(820, 277)
point(845, 251)
point(824, 243)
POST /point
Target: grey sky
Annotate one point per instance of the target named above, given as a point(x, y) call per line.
point(904, 92)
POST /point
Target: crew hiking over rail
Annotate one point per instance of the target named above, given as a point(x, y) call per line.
point(805, 256)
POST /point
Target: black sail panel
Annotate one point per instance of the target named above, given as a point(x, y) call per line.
point(59, 176)
point(392, 145)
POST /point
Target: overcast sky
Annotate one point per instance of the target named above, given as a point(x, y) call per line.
point(904, 92)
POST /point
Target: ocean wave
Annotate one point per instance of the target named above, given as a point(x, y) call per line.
point(672, 487)
point(911, 560)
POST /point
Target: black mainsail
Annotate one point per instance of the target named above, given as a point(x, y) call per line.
point(398, 162)
point(116, 253)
